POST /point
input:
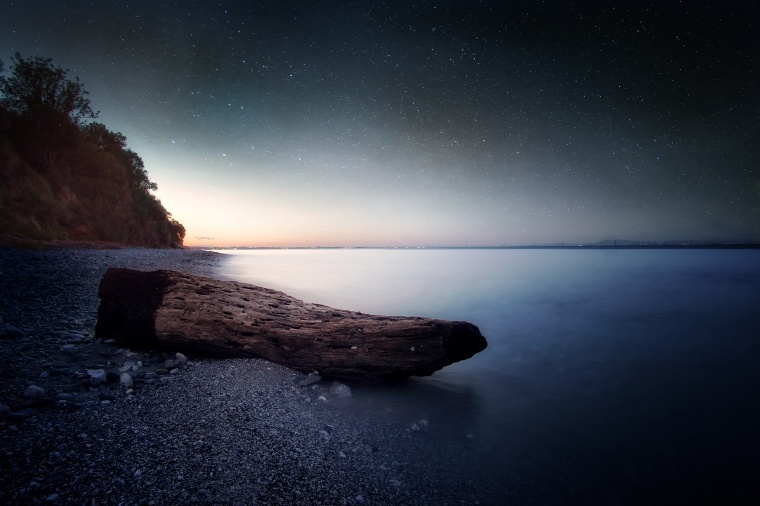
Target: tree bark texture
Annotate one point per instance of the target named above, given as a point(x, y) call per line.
point(167, 309)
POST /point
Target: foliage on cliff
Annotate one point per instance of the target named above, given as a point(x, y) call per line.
point(63, 176)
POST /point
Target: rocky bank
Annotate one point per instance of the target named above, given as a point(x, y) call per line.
point(83, 421)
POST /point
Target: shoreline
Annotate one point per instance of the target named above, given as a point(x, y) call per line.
point(205, 431)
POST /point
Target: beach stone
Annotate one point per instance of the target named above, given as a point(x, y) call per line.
point(97, 376)
point(182, 358)
point(69, 349)
point(4, 409)
point(33, 392)
point(19, 416)
point(128, 365)
point(340, 390)
point(10, 332)
point(126, 380)
point(310, 379)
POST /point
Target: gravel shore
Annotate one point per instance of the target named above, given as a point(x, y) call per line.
point(162, 428)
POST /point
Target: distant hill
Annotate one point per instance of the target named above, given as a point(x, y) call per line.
point(62, 178)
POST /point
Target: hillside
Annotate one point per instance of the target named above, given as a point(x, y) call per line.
point(63, 178)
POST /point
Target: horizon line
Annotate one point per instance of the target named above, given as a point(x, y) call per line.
point(611, 244)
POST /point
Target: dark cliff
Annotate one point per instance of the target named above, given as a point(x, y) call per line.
point(58, 184)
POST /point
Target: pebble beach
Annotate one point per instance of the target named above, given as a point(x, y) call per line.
point(83, 421)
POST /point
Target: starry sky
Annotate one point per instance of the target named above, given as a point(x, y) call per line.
point(405, 122)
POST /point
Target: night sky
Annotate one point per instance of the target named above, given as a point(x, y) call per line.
point(424, 122)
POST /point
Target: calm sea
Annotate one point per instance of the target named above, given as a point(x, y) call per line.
point(613, 376)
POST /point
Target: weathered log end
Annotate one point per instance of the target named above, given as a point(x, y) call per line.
point(464, 342)
point(128, 303)
point(166, 309)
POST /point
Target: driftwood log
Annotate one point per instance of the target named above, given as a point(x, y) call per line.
point(167, 309)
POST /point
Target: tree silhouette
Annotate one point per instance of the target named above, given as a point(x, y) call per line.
point(36, 86)
point(113, 142)
point(68, 177)
point(116, 144)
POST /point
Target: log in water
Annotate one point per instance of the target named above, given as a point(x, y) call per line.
point(167, 309)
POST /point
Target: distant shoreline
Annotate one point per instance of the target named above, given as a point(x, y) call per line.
point(652, 245)
point(27, 243)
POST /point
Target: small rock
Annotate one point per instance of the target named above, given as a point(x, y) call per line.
point(97, 376)
point(180, 357)
point(17, 417)
point(359, 498)
point(162, 371)
point(340, 390)
point(64, 396)
point(395, 483)
point(33, 392)
point(310, 379)
point(170, 364)
point(322, 398)
point(69, 349)
point(10, 332)
point(4, 410)
point(128, 365)
point(52, 497)
point(126, 380)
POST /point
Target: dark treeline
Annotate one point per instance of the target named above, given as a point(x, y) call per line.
point(65, 176)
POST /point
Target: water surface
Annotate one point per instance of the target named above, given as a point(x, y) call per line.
point(611, 376)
